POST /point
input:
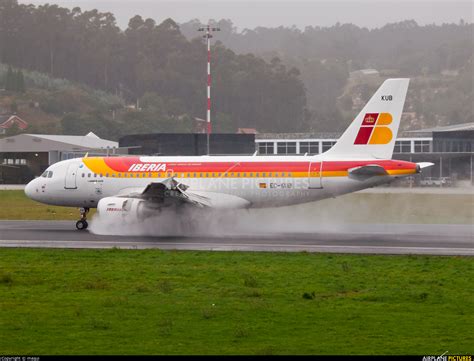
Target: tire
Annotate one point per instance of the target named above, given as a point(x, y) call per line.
point(81, 225)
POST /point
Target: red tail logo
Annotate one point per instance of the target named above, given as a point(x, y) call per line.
point(374, 130)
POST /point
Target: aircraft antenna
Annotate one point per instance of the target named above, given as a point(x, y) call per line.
point(209, 30)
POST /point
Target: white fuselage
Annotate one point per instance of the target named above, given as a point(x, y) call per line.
point(263, 181)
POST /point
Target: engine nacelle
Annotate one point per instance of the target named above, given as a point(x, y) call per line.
point(126, 208)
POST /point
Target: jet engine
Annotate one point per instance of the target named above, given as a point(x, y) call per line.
point(121, 208)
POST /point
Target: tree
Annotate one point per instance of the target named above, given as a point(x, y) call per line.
point(20, 82)
point(10, 83)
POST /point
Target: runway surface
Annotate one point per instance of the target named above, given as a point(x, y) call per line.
point(439, 239)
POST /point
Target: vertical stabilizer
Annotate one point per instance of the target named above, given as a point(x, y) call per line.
point(373, 132)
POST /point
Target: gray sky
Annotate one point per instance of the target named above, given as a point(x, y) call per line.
point(268, 13)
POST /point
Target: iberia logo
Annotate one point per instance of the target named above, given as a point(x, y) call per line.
point(374, 129)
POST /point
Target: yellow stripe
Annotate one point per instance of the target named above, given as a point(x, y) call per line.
point(98, 166)
point(401, 171)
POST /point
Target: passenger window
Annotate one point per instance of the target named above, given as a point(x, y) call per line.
point(95, 175)
point(88, 175)
point(282, 174)
point(83, 175)
point(264, 174)
point(106, 175)
point(113, 175)
point(149, 175)
point(101, 175)
point(120, 175)
point(257, 175)
point(276, 174)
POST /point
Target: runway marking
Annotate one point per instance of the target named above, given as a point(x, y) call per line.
point(233, 246)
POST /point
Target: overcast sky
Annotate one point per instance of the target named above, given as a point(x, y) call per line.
point(301, 13)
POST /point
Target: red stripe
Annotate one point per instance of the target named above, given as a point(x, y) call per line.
point(208, 103)
point(209, 56)
point(364, 135)
point(122, 164)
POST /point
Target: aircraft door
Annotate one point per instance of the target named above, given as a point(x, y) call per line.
point(70, 180)
point(315, 175)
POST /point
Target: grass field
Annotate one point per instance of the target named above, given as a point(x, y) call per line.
point(357, 207)
point(15, 205)
point(172, 302)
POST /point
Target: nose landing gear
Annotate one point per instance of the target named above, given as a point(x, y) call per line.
point(82, 223)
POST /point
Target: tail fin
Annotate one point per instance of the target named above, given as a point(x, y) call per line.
point(372, 134)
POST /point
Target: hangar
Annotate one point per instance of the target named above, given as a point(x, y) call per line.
point(25, 156)
point(188, 143)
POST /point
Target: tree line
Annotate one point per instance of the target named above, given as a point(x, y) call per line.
point(14, 81)
point(326, 56)
point(154, 61)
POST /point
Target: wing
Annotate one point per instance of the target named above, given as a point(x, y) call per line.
point(366, 172)
point(170, 191)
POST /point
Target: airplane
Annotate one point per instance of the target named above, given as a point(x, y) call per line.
point(125, 188)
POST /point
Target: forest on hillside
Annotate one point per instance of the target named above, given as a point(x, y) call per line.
point(437, 58)
point(275, 80)
point(154, 62)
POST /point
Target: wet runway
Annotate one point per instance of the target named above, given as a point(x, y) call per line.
point(436, 239)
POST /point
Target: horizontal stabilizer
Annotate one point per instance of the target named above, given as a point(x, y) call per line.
point(367, 171)
point(422, 165)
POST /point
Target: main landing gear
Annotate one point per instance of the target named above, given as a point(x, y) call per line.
point(82, 223)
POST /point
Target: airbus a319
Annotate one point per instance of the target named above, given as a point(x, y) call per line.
point(134, 188)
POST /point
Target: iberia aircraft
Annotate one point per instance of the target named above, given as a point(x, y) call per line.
point(132, 187)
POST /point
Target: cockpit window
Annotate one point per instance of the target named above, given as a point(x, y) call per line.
point(44, 175)
point(47, 174)
point(50, 174)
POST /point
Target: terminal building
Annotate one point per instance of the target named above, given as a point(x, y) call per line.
point(25, 156)
point(450, 148)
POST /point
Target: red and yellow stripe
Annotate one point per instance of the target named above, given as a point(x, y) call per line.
point(121, 167)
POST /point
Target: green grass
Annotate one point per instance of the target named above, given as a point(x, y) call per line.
point(172, 302)
point(351, 208)
point(15, 205)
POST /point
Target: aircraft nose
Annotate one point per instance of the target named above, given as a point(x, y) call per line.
point(30, 189)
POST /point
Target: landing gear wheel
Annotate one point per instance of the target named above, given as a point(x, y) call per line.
point(80, 225)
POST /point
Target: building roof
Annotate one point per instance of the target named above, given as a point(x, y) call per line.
point(334, 135)
point(365, 72)
point(447, 128)
point(6, 121)
point(246, 131)
point(47, 142)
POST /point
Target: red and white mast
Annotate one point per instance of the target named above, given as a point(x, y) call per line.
point(208, 37)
